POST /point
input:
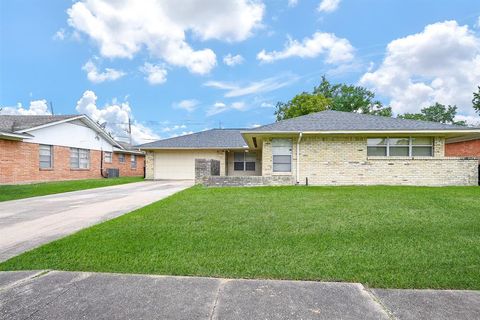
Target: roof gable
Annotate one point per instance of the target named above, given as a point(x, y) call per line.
point(22, 124)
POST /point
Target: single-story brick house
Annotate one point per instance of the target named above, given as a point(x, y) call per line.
point(64, 147)
point(324, 148)
point(468, 146)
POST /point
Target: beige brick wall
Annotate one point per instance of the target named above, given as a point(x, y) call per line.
point(344, 161)
point(149, 165)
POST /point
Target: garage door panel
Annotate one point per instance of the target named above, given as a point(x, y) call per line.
point(178, 165)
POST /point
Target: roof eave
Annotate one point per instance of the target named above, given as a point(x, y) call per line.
point(362, 131)
point(13, 136)
point(194, 148)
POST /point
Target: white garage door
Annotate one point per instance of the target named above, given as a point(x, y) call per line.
point(179, 164)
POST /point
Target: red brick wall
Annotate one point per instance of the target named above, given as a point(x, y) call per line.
point(466, 148)
point(19, 163)
point(126, 169)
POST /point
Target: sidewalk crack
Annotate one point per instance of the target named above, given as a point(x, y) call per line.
point(217, 295)
point(372, 295)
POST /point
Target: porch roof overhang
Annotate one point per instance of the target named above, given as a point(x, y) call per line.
point(254, 138)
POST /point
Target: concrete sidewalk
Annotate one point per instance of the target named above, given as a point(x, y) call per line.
point(28, 223)
point(80, 295)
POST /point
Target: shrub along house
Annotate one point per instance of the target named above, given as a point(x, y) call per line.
point(324, 148)
point(64, 147)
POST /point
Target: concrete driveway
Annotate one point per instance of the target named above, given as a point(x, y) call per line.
point(29, 223)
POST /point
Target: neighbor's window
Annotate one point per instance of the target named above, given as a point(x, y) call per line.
point(400, 147)
point(282, 155)
point(107, 157)
point(79, 158)
point(121, 157)
point(133, 161)
point(46, 156)
point(244, 161)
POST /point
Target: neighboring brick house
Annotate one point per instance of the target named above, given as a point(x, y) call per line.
point(48, 148)
point(463, 147)
point(324, 148)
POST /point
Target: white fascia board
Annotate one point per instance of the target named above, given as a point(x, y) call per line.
point(364, 132)
point(13, 136)
point(51, 124)
point(191, 148)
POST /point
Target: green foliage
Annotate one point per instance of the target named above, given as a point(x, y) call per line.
point(476, 101)
point(436, 113)
point(398, 237)
point(327, 96)
point(300, 105)
point(350, 98)
point(13, 192)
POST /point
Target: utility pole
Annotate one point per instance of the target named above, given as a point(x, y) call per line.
point(51, 108)
point(130, 130)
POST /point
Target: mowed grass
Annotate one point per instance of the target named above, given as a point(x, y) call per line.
point(20, 191)
point(398, 237)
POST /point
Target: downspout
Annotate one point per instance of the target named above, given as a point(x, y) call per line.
point(298, 156)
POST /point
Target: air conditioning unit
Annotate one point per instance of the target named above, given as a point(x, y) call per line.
point(113, 172)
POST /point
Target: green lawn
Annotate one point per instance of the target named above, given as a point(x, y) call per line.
point(400, 237)
point(20, 191)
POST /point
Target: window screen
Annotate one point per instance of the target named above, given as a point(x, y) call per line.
point(282, 155)
point(46, 156)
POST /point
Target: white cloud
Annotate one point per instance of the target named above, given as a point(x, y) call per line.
point(97, 77)
point(265, 85)
point(220, 107)
point(188, 104)
point(123, 28)
point(337, 50)
point(59, 35)
point(155, 74)
point(116, 116)
point(440, 64)
point(267, 105)
point(477, 24)
point(174, 128)
point(36, 107)
point(328, 5)
point(292, 3)
point(232, 60)
point(471, 120)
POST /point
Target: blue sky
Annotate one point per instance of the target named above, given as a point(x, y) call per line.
point(162, 63)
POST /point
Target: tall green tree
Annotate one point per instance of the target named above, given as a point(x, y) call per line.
point(350, 98)
point(437, 113)
point(302, 104)
point(327, 96)
point(476, 101)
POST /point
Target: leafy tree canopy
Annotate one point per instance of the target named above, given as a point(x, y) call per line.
point(302, 104)
point(327, 96)
point(437, 113)
point(476, 101)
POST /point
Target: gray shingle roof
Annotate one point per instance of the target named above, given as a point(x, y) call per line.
point(214, 138)
point(13, 123)
point(341, 121)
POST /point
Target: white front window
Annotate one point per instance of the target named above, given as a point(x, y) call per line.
point(107, 157)
point(133, 161)
point(400, 147)
point(282, 155)
point(46, 156)
point(79, 158)
point(244, 161)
